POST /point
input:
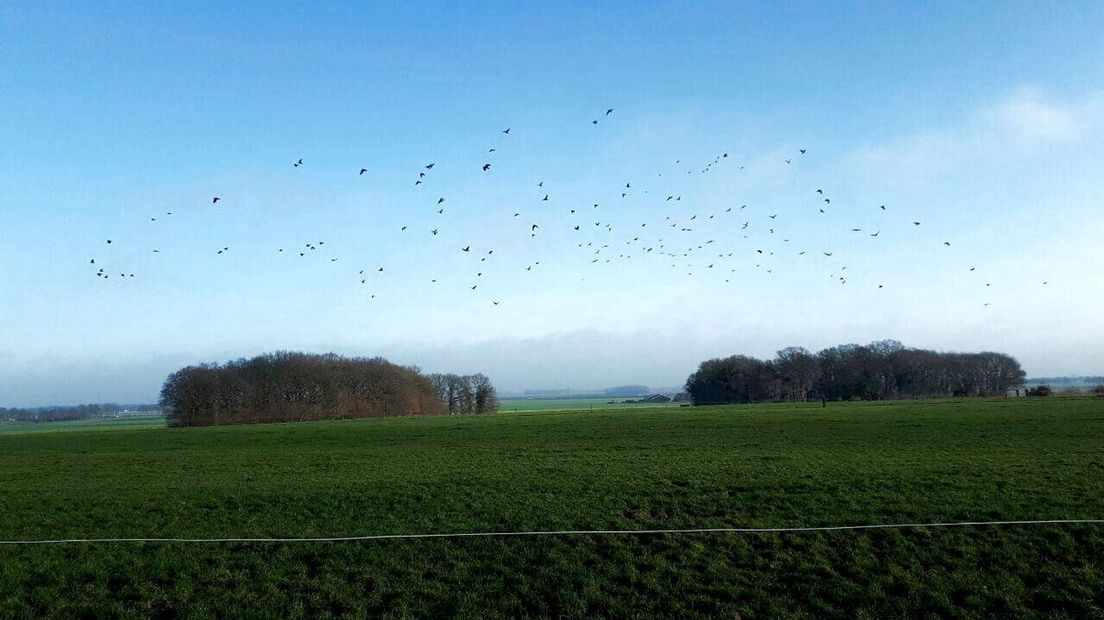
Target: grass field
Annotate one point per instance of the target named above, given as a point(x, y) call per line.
point(521, 405)
point(649, 468)
point(130, 422)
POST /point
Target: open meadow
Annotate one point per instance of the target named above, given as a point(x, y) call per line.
point(760, 465)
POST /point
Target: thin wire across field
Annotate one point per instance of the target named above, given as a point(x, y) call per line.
point(703, 530)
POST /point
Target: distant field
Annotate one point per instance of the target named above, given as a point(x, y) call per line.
point(91, 424)
point(518, 405)
point(770, 465)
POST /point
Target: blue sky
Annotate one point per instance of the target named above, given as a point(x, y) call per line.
point(983, 122)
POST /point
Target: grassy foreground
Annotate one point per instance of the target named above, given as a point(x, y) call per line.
point(644, 468)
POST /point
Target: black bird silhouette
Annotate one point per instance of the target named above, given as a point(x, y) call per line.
point(486, 167)
point(535, 227)
point(916, 223)
point(434, 231)
point(298, 163)
point(363, 170)
point(609, 111)
point(802, 151)
point(430, 166)
point(440, 200)
point(594, 122)
point(466, 248)
point(545, 199)
point(506, 131)
point(109, 242)
point(215, 199)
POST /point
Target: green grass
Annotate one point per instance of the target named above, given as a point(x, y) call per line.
point(97, 424)
point(521, 405)
point(766, 465)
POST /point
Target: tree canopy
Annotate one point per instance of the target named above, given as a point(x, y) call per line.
point(287, 386)
point(881, 370)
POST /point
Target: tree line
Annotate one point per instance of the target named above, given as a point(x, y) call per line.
point(465, 393)
point(289, 386)
point(70, 413)
point(884, 369)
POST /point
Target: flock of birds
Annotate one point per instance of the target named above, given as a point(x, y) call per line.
point(765, 231)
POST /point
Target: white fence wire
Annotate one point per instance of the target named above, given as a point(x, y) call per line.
point(703, 530)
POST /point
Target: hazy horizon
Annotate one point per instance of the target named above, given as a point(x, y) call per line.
point(983, 123)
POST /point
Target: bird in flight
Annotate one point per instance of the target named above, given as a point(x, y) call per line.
point(486, 167)
point(466, 248)
point(298, 163)
point(609, 111)
point(506, 131)
point(215, 199)
point(440, 200)
point(430, 166)
point(363, 170)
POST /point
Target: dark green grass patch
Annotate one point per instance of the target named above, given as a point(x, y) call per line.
point(703, 467)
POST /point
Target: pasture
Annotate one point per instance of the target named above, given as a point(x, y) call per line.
point(522, 405)
point(762, 465)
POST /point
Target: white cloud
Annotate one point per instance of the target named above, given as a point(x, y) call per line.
point(1024, 125)
point(1029, 118)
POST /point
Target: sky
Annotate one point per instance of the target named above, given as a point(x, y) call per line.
point(982, 121)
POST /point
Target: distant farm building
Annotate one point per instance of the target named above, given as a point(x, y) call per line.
point(656, 398)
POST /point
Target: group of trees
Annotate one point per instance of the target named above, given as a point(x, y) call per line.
point(465, 393)
point(70, 413)
point(286, 386)
point(881, 370)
